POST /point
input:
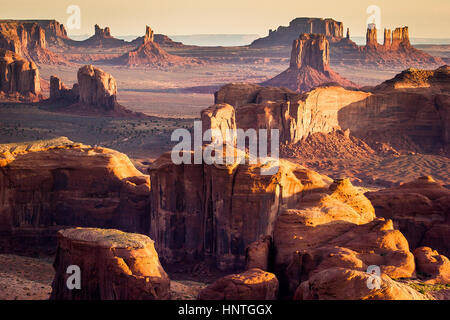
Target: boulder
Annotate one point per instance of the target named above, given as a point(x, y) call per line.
point(114, 265)
point(253, 284)
point(432, 266)
point(347, 284)
point(19, 78)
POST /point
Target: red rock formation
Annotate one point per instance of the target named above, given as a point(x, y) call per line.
point(19, 78)
point(409, 112)
point(347, 284)
point(371, 37)
point(330, 28)
point(253, 284)
point(149, 53)
point(59, 91)
point(114, 265)
point(309, 66)
point(296, 116)
point(435, 268)
point(258, 254)
point(216, 211)
point(421, 211)
point(47, 185)
point(27, 39)
point(97, 88)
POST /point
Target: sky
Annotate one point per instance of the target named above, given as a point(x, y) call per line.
point(427, 19)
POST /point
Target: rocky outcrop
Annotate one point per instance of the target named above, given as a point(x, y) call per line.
point(296, 116)
point(420, 209)
point(27, 39)
point(253, 284)
point(59, 91)
point(432, 266)
point(97, 88)
point(114, 265)
point(330, 28)
point(213, 212)
point(55, 32)
point(48, 185)
point(102, 38)
point(309, 66)
point(258, 254)
point(336, 228)
point(19, 78)
point(219, 117)
point(149, 53)
point(335, 284)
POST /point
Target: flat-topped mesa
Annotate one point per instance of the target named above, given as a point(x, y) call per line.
point(310, 50)
point(19, 77)
point(114, 266)
point(149, 35)
point(309, 66)
point(103, 33)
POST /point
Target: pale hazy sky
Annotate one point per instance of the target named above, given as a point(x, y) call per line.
point(179, 17)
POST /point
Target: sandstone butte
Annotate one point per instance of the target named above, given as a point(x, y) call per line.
point(95, 93)
point(409, 112)
point(396, 50)
point(28, 39)
point(149, 53)
point(19, 78)
point(309, 66)
point(212, 213)
point(253, 284)
point(115, 266)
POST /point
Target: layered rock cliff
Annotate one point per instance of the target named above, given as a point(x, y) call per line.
point(309, 66)
point(48, 185)
point(19, 78)
point(212, 212)
point(27, 39)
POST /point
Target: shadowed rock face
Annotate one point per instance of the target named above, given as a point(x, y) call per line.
point(48, 185)
point(59, 91)
point(253, 284)
point(421, 211)
point(309, 66)
point(114, 265)
point(19, 78)
point(214, 211)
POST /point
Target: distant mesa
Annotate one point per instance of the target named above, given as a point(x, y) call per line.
point(395, 51)
point(95, 93)
point(149, 53)
point(309, 66)
point(332, 29)
point(19, 78)
point(28, 39)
